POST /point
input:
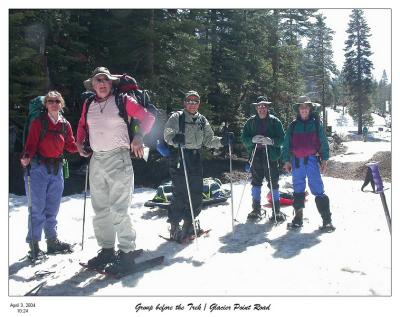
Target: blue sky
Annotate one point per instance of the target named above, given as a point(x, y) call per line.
point(379, 20)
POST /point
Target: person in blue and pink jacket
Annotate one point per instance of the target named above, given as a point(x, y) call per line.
point(306, 153)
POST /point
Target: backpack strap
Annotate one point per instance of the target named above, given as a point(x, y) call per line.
point(45, 127)
point(181, 121)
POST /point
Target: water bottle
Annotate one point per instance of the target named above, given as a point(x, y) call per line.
point(65, 168)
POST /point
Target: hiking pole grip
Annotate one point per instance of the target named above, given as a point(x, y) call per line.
point(84, 203)
point(374, 166)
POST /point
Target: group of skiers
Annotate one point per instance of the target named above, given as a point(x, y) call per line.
point(103, 136)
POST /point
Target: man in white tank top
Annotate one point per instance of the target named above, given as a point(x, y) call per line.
point(111, 172)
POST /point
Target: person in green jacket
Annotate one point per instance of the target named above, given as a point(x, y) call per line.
point(305, 154)
point(365, 133)
point(264, 132)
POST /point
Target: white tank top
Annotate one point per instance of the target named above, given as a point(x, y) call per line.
point(107, 130)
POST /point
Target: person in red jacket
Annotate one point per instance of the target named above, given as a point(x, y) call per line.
point(43, 156)
point(111, 174)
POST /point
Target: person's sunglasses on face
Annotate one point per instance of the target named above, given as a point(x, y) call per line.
point(57, 101)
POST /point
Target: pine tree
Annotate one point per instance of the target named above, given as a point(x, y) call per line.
point(357, 67)
point(320, 67)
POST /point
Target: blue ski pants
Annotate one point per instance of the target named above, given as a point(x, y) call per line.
point(46, 191)
point(311, 172)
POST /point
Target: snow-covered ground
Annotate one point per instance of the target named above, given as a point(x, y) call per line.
point(359, 151)
point(256, 260)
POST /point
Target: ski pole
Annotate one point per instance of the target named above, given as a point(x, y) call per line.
point(270, 183)
point(379, 189)
point(230, 177)
point(84, 204)
point(245, 184)
point(28, 174)
point(188, 191)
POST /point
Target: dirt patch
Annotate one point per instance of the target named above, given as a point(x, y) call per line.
point(358, 170)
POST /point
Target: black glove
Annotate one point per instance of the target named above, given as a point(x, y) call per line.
point(179, 139)
point(227, 138)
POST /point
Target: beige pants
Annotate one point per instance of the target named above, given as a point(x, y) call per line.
point(111, 178)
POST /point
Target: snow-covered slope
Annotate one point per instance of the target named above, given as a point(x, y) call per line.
point(256, 260)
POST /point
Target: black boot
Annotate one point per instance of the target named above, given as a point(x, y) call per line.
point(322, 203)
point(277, 214)
point(104, 257)
point(124, 262)
point(188, 230)
point(57, 246)
point(297, 221)
point(256, 213)
point(175, 232)
point(34, 251)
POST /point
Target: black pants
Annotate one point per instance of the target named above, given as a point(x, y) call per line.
point(259, 170)
point(180, 207)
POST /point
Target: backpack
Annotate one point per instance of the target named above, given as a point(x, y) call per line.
point(202, 121)
point(36, 109)
point(127, 86)
point(314, 116)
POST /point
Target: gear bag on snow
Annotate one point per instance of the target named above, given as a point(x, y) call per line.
point(127, 86)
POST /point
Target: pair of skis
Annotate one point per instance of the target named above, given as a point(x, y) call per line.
point(189, 239)
point(138, 267)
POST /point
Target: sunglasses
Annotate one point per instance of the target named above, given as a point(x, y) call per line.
point(57, 101)
point(102, 80)
point(192, 102)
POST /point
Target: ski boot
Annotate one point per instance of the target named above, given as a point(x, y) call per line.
point(327, 227)
point(280, 217)
point(277, 215)
point(176, 232)
point(188, 230)
point(104, 257)
point(35, 253)
point(322, 203)
point(56, 246)
point(297, 221)
point(124, 262)
point(256, 212)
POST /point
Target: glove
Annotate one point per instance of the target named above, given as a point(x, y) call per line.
point(264, 140)
point(162, 148)
point(179, 139)
point(227, 138)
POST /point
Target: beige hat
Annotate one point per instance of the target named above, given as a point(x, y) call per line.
point(303, 100)
point(192, 93)
point(260, 100)
point(100, 71)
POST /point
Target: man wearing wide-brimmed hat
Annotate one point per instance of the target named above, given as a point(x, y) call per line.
point(111, 175)
point(305, 147)
point(265, 133)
